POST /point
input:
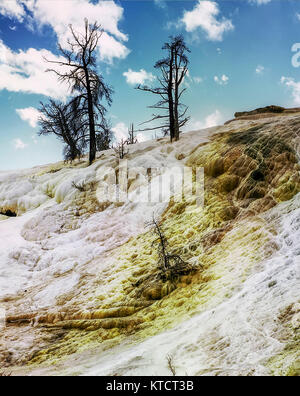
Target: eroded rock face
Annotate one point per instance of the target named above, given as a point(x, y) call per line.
point(264, 113)
point(91, 269)
point(262, 110)
point(253, 169)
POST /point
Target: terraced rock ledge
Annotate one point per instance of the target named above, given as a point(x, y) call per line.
point(78, 277)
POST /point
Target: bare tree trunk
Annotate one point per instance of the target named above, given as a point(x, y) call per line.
point(163, 245)
point(176, 101)
point(93, 146)
point(170, 97)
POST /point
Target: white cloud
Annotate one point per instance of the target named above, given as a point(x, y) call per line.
point(19, 144)
point(30, 115)
point(140, 77)
point(298, 15)
point(210, 121)
point(59, 14)
point(120, 131)
point(259, 2)
point(25, 72)
point(260, 69)
point(223, 80)
point(190, 79)
point(205, 16)
point(12, 9)
point(198, 80)
point(106, 13)
point(110, 48)
point(294, 86)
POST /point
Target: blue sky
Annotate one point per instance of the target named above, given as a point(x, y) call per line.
point(241, 58)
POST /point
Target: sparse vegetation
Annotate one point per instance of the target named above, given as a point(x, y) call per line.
point(171, 365)
point(120, 149)
point(80, 187)
point(170, 268)
point(167, 261)
point(83, 187)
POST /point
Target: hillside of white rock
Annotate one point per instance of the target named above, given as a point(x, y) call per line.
point(79, 292)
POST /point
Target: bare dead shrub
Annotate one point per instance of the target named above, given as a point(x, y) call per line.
point(167, 261)
point(170, 268)
point(171, 365)
point(120, 150)
point(80, 187)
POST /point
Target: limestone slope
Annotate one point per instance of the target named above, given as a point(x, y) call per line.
point(79, 276)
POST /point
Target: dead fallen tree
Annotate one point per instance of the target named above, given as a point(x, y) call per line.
point(170, 268)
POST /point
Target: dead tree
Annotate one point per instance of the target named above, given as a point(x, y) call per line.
point(67, 123)
point(131, 135)
point(170, 267)
point(173, 70)
point(120, 150)
point(167, 261)
point(83, 78)
point(104, 136)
